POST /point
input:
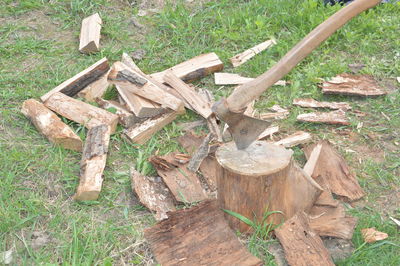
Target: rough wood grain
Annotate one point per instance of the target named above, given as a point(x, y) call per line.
point(153, 194)
point(78, 82)
point(128, 61)
point(311, 103)
point(93, 161)
point(50, 125)
point(197, 236)
point(80, 112)
point(235, 79)
point(96, 89)
point(243, 57)
point(303, 246)
point(335, 118)
point(297, 138)
point(90, 34)
point(192, 69)
point(126, 118)
point(200, 154)
point(335, 172)
point(268, 132)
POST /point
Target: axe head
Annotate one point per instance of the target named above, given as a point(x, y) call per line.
point(244, 129)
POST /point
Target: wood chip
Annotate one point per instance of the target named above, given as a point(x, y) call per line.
point(268, 132)
point(371, 235)
point(90, 34)
point(198, 236)
point(311, 103)
point(335, 118)
point(347, 84)
point(230, 79)
point(300, 137)
point(243, 57)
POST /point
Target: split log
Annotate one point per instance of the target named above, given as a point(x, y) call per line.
point(78, 82)
point(80, 112)
point(195, 68)
point(300, 137)
point(96, 89)
point(303, 247)
point(200, 154)
point(311, 103)
point(262, 178)
point(335, 172)
point(195, 101)
point(212, 122)
point(197, 236)
point(126, 118)
point(243, 57)
point(128, 61)
point(358, 85)
point(153, 194)
point(335, 118)
point(268, 132)
point(235, 79)
point(90, 34)
point(93, 161)
point(50, 125)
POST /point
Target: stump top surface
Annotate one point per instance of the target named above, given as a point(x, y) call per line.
point(260, 158)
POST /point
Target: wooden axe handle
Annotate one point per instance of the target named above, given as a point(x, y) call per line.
point(249, 91)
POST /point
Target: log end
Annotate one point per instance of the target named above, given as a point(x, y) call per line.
point(86, 195)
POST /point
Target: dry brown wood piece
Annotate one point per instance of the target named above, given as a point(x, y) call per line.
point(332, 221)
point(184, 184)
point(297, 138)
point(96, 89)
point(195, 68)
point(126, 118)
point(93, 161)
point(371, 235)
point(153, 194)
point(279, 113)
point(359, 85)
point(197, 236)
point(268, 132)
point(334, 171)
point(78, 82)
point(212, 123)
point(90, 34)
point(128, 61)
point(198, 104)
point(302, 245)
point(230, 79)
point(335, 118)
point(200, 154)
point(311, 103)
point(262, 177)
point(50, 125)
point(188, 126)
point(243, 57)
point(80, 112)
point(142, 132)
point(312, 160)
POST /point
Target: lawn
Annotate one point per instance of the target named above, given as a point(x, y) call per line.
point(39, 49)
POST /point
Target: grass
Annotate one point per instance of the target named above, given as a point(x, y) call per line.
point(38, 48)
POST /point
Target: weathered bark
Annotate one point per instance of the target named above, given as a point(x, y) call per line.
point(200, 154)
point(243, 57)
point(90, 34)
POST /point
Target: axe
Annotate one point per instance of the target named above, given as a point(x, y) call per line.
point(245, 129)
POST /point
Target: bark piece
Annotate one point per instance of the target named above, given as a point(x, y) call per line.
point(334, 171)
point(195, 68)
point(311, 103)
point(90, 34)
point(96, 89)
point(371, 235)
point(243, 57)
point(335, 118)
point(184, 184)
point(153, 194)
point(93, 161)
point(300, 137)
point(50, 125)
point(347, 84)
point(126, 118)
point(301, 244)
point(262, 177)
point(200, 154)
point(197, 236)
point(78, 82)
point(80, 112)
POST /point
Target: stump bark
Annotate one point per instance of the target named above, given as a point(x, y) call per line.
point(262, 178)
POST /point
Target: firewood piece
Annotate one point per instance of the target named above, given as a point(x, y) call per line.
point(197, 236)
point(264, 176)
point(198, 104)
point(143, 132)
point(188, 126)
point(212, 123)
point(268, 132)
point(301, 244)
point(93, 161)
point(50, 125)
point(126, 118)
point(184, 184)
point(230, 79)
point(333, 222)
point(300, 137)
point(78, 82)
point(192, 69)
point(128, 61)
point(279, 113)
point(80, 112)
point(371, 235)
point(120, 72)
point(153, 194)
point(200, 154)
point(311, 103)
point(90, 34)
point(335, 118)
point(312, 161)
point(243, 57)
point(96, 89)
point(335, 172)
point(347, 84)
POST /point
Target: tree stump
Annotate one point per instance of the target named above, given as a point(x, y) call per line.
point(259, 179)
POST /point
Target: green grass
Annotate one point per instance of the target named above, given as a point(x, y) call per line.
point(38, 50)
